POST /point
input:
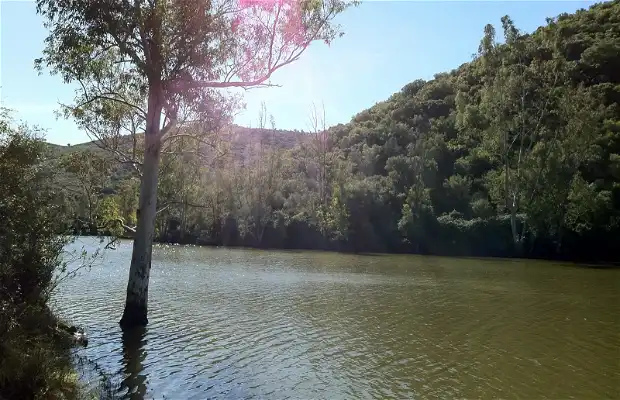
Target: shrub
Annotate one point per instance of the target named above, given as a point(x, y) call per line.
point(34, 357)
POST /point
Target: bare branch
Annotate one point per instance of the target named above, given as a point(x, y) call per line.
point(102, 96)
point(181, 85)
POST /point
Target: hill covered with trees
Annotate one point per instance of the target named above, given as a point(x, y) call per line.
point(516, 153)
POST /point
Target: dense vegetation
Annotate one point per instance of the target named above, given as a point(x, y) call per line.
point(516, 153)
point(35, 357)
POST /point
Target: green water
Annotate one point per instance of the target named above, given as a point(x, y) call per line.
point(307, 325)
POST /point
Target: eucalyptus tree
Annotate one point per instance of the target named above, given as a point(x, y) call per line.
point(154, 66)
point(516, 113)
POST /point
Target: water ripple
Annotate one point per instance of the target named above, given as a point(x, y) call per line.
point(249, 324)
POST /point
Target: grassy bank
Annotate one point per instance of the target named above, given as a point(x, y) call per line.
point(39, 361)
point(36, 357)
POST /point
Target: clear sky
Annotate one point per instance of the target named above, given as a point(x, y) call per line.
point(387, 44)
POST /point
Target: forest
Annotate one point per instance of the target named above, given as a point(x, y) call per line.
point(514, 154)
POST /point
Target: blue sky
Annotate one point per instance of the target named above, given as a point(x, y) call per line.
point(387, 44)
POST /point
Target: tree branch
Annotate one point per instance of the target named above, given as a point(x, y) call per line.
point(172, 202)
point(180, 85)
point(171, 124)
point(122, 45)
point(105, 96)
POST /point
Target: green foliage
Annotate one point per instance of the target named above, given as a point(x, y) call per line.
point(588, 207)
point(34, 358)
point(127, 198)
point(416, 212)
point(107, 214)
point(481, 208)
point(91, 173)
point(514, 153)
point(477, 236)
point(336, 221)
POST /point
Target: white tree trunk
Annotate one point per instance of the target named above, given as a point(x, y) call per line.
point(135, 313)
point(517, 238)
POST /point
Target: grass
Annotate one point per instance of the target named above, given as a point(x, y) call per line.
point(35, 357)
point(38, 361)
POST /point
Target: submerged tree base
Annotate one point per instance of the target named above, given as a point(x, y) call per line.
point(134, 316)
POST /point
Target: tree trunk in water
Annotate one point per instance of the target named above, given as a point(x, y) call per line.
point(135, 313)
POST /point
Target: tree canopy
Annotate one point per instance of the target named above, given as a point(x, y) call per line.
point(178, 52)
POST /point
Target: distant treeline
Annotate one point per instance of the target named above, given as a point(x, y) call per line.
point(516, 153)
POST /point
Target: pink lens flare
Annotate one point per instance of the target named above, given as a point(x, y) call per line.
point(285, 15)
point(265, 4)
point(267, 30)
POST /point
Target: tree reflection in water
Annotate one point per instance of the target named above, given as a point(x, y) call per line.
point(134, 384)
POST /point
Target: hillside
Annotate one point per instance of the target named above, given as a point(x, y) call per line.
point(241, 140)
point(526, 136)
point(238, 146)
point(516, 153)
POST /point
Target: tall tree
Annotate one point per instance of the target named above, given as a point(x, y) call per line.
point(518, 105)
point(319, 147)
point(159, 64)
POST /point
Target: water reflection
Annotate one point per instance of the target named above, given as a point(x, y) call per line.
point(134, 384)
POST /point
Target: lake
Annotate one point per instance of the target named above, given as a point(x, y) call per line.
point(241, 324)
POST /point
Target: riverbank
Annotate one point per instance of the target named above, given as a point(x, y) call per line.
point(39, 360)
point(36, 357)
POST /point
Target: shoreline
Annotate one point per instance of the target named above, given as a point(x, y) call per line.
point(576, 262)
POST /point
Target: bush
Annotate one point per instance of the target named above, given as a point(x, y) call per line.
point(475, 237)
point(34, 357)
